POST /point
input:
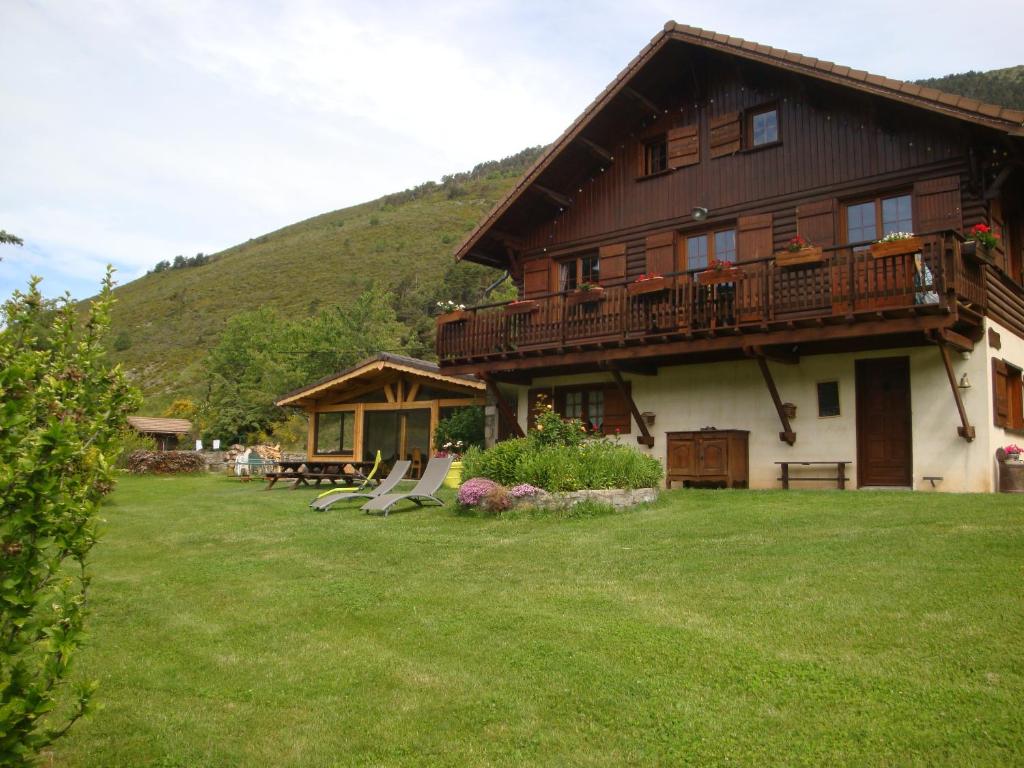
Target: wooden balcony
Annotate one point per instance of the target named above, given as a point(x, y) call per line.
point(850, 291)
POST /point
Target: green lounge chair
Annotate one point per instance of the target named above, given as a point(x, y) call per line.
point(433, 476)
point(323, 502)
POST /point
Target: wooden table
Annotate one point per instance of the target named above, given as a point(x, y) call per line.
point(302, 472)
point(839, 477)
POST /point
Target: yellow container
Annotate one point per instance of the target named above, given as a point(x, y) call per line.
point(454, 477)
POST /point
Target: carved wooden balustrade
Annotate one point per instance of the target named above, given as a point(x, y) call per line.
point(848, 284)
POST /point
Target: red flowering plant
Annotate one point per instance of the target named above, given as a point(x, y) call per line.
point(648, 276)
point(1013, 449)
point(797, 244)
point(721, 265)
point(983, 235)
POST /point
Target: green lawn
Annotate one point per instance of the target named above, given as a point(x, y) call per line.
point(232, 627)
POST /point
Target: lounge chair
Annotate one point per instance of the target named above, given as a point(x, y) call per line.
point(433, 476)
point(323, 502)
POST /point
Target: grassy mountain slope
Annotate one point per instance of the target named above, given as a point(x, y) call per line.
point(164, 323)
point(998, 86)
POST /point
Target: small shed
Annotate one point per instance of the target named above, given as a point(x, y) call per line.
point(388, 403)
point(166, 432)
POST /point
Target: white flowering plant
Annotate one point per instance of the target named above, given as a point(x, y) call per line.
point(450, 306)
point(894, 236)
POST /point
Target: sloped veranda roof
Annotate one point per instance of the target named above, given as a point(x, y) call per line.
point(159, 426)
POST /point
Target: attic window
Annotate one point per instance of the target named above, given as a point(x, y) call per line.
point(764, 127)
point(655, 155)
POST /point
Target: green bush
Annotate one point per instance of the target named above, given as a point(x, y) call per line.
point(130, 441)
point(465, 426)
point(591, 464)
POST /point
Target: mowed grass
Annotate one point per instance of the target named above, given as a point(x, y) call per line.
point(232, 626)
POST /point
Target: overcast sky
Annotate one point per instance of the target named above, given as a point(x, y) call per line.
point(135, 131)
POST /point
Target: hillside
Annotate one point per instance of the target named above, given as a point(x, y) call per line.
point(164, 323)
point(998, 86)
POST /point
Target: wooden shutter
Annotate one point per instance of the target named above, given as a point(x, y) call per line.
point(937, 205)
point(616, 411)
point(660, 253)
point(754, 237)
point(1000, 393)
point(612, 263)
point(725, 134)
point(536, 277)
point(683, 146)
point(816, 222)
point(533, 400)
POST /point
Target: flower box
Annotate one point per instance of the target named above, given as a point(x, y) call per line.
point(718, 276)
point(521, 307)
point(649, 285)
point(810, 255)
point(455, 316)
point(589, 296)
point(897, 247)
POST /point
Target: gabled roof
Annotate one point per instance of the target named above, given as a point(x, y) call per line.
point(376, 364)
point(1003, 119)
point(160, 426)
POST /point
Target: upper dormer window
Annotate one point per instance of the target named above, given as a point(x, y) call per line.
point(655, 155)
point(763, 127)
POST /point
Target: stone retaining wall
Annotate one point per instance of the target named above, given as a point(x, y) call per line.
point(616, 497)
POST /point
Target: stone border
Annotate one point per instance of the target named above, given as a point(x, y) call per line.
point(620, 498)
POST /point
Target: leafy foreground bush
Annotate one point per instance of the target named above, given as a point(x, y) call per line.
point(165, 462)
point(557, 456)
point(62, 410)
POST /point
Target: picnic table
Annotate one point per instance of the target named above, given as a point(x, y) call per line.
point(839, 477)
point(311, 472)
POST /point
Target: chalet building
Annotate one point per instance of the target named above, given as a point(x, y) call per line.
point(166, 432)
point(699, 164)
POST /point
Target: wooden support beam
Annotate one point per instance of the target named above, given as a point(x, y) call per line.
point(647, 104)
point(555, 197)
point(965, 430)
point(992, 191)
point(957, 341)
point(504, 412)
point(597, 151)
point(645, 437)
point(638, 369)
point(776, 356)
point(787, 435)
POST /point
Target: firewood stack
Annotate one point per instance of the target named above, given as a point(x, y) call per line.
point(165, 462)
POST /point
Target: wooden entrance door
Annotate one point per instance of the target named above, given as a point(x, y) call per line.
point(884, 452)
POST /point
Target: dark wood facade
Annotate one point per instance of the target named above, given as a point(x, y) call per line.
point(615, 197)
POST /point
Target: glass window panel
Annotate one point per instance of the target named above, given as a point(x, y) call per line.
point(897, 215)
point(591, 269)
point(567, 276)
point(334, 432)
point(766, 127)
point(595, 409)
point(860, 222)
point(725, 245)
point(828, 398)
point(573, 405)
point(655, 156)
point(697, 252)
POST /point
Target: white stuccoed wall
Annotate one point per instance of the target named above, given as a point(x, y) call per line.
point(1011, 350)
point(733, 395)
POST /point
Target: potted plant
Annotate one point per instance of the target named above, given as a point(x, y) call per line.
point(451, 312)
point(1013, 452)
point(720, 271)
point(799, 251)
point(651, 282)
point(454, 449)
point(586, 293)
point(521, 307)
point(896, 244)
point(980, 236)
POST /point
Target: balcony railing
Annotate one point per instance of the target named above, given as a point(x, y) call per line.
point(849, 282)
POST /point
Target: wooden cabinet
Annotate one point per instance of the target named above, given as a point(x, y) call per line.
point(708, 457)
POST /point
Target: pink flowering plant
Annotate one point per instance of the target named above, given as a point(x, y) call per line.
point(522, 491)
point(473, 491)
point(1013, 448)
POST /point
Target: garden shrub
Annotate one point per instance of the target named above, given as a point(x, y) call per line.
point(499, 463)
point(472, 492)
point(62, 412)
point(129, 442)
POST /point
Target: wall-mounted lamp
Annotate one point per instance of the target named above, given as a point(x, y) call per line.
point(965, 355)
point(965, 383)
point(699, 213)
